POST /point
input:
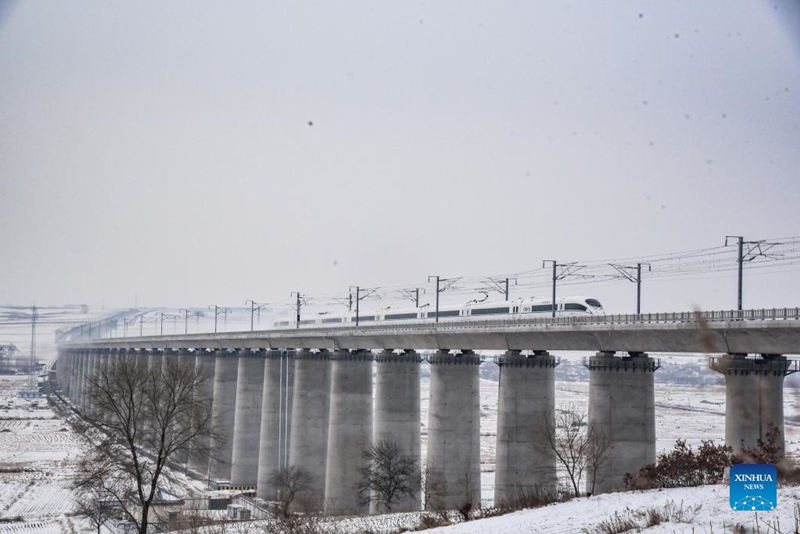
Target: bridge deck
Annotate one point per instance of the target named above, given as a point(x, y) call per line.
point(770, 331)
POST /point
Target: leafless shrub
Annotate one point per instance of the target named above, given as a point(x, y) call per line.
point(683, 467)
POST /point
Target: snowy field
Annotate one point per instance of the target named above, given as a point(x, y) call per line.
point(38, 452)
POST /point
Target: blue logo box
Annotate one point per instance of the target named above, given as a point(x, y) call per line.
point(754, 487)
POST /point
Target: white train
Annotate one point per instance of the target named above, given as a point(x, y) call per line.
point(566, 306)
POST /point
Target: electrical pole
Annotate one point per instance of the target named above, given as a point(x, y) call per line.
point(740, 261)
point(141, 324)
point(185, 320)
point(625, 271)
point(358, 298)
point(252, 311)
point(567, 269)
point(161, 331)
point(555, 266)
point(34, 316)
point(437, 295)
point(216, 314)
point(297, 308)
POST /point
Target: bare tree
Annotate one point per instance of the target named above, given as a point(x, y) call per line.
point(388, 475)
point(597, 454)
point(290, 482)
point(147, 417)
point(577, 446)
point(432, 489)
point(96, 505)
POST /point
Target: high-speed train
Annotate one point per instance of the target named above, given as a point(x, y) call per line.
point(566, 306)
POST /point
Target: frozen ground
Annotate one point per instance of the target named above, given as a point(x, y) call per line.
point(697, 510)
point(38, 451)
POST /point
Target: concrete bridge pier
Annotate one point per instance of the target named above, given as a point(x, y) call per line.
point(453, 463)
point(247, 418)
point(204, 364)
point(276, 410)
point(397, 413)
point(349, 430)
point(222, 412)
point(753, 397)
point(308, 447)
point(155, 361)
point(621, 417)
point(526, 464)
point(186, 359)
point(75, 380)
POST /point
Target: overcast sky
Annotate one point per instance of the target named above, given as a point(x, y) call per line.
point(187, 153)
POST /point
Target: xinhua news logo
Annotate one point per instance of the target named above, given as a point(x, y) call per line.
point(754, 487)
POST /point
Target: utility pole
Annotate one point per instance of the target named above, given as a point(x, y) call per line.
point(161, 330)
point(740, 261)
point(216, 314)
point(625, 271)
point(412, 295)
point(360, 297)
point(185, 320)
point(567, 269)
point(436, 277)
point(297, 307)
point(555, 266)
point(141, 324)
point(34, 316)
point(252, 311)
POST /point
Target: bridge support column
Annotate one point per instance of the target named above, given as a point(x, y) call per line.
point(453, 462)
point(308, 448)
point(204, 364)
point(155, 361)
point(349, 430)
point(397, 413)
point(276, 410)
point(621, 418)
point(247, 418)
point(753, 397)
point(222, 411)
point(526, 464)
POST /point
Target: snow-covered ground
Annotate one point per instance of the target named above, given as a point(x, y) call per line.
point(698, 510)
point(38, 451)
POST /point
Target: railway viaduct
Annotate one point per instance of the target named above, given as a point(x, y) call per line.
point(309, 396)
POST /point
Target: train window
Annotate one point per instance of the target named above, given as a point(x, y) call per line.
point(574, 306)
point(307, 321)
point(541, 307)
point(594, 302)
point(366, 318)
point(393, 316)
point(445, 313)
point(333, 320)
point(489, 311)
